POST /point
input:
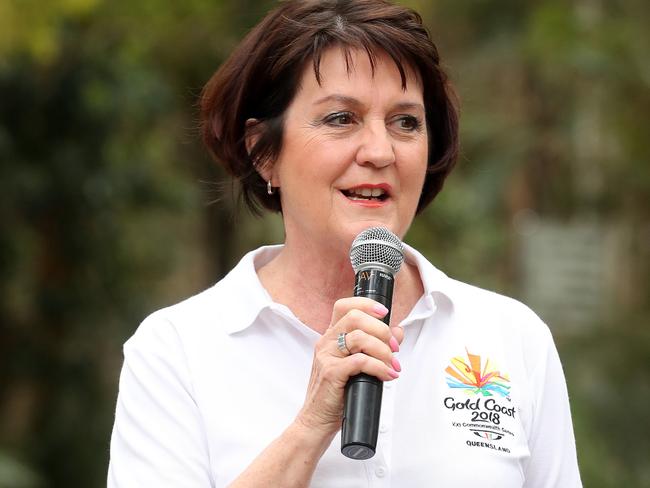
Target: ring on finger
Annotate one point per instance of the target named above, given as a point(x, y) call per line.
point(341, 345)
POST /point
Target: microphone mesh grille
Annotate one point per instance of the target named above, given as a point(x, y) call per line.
point(377, 245)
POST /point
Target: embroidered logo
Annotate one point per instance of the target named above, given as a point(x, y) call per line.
point(468, 375)
point(486, 434)
point(484, 408)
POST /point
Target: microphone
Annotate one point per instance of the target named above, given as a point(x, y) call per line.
point(376, 255)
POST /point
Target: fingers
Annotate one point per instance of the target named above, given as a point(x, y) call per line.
point(362, 363)
point(398, 333)
point(359, 341)
point(358, 320)
point(367, 338)
point(367, 305)
point(372, 308)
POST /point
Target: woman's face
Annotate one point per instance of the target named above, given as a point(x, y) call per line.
point(354, 152)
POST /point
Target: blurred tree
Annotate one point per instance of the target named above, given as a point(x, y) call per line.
point(101, 217)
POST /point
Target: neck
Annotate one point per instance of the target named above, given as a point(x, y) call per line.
point(309, 279)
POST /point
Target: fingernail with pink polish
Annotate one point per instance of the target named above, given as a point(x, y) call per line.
point(379, 309)
point(396, 365)
point(393, 374)
point(394, 345)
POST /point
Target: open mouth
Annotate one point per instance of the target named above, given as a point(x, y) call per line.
point(366, 194)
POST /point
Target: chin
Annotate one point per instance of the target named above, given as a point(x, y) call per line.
point(354, 229)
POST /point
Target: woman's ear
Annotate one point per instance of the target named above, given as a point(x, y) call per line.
point(254, 130)
point(252, 134)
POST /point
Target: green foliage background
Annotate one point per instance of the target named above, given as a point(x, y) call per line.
point(110, 208)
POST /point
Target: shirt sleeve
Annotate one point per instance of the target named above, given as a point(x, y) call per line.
point(158, 438)
point(553, 461)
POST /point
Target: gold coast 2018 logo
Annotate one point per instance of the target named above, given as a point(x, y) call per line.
point(483, 408)
point(471, 377)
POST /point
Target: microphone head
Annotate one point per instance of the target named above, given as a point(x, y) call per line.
point(377, 247)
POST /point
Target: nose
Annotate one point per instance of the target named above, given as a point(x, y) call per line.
point(376, 146)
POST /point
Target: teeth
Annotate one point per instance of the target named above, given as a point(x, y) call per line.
point(367, 192)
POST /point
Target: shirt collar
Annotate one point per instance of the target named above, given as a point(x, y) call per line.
point(433, 280)
point(436, 284)
point(246, 298)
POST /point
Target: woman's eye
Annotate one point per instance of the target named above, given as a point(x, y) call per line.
point(408, 123)
point(340, 118)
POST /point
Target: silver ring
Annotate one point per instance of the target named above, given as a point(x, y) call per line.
point(340, 343)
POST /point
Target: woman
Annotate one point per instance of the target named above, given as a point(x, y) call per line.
point(338, 115)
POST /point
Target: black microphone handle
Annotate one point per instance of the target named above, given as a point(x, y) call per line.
point(363, 392)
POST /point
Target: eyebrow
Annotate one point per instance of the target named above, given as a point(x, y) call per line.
point(353, 101)
point(338, 98)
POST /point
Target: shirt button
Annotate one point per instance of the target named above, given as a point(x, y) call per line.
point(383, 428)
point(380, 472)
point(388, 384)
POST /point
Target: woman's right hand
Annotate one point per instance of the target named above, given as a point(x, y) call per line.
point(371, 344)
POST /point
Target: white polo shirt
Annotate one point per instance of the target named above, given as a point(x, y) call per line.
point(208, 383)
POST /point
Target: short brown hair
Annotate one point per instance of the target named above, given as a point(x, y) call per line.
point(261, 77)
